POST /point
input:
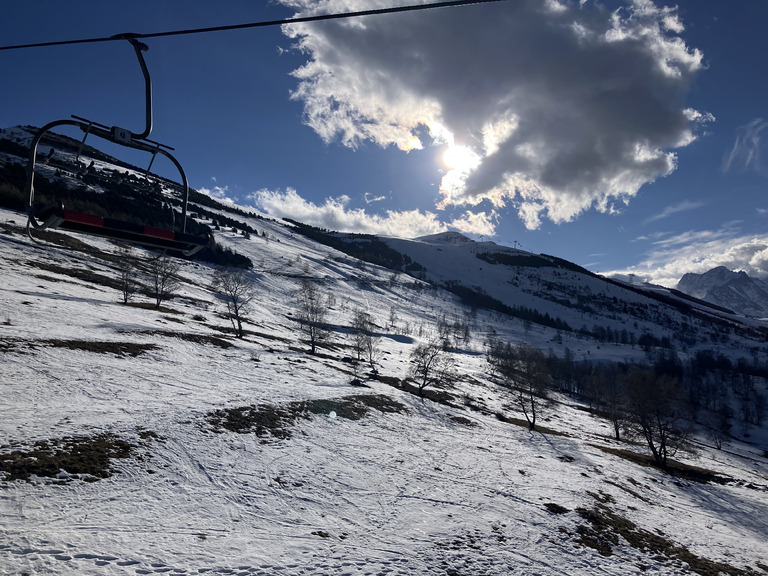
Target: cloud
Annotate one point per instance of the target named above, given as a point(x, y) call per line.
point(684, 206)
point(370, 198)
point(671, 256)
point(220, 193)
point(745, 152)
point(334, 214)
point(567, 105)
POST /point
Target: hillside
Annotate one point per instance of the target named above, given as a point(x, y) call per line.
point(142, 440)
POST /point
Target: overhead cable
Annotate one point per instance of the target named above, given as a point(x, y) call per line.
point(262, 24)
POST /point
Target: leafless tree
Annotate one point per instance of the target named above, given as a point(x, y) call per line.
point(127, 278)
point(657, 413)
point(164, 279)
point(312, 312)
point(237, 290)
point(607, 390)
point(530, 382)
point(365, 341)
point(431, 366)
point(523, 371)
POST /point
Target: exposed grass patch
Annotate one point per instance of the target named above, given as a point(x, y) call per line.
point(9, 345)
point(434, 394)
point(267, 420)
point(87, 458)
point(51, 278)
point(673, 468)
point(117, 348)
point(79, 273)
point(604, 528)
point(152, 306)
point(463, 421)
point(190, 337)
point(556, 508)
point(524, 424)
point(59, 239)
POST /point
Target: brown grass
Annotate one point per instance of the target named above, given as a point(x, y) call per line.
point(604, 528)
point(673, 468)
point(132, 349)
point(266, 420)
point(87, 458)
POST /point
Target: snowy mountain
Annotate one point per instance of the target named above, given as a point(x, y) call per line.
point(734, 290)
point(142, 439)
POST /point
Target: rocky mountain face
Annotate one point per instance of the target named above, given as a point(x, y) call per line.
point(734, 290)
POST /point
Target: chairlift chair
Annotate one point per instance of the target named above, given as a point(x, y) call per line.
point(58, 216)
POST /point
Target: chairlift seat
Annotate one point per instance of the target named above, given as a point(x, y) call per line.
point(58, 217)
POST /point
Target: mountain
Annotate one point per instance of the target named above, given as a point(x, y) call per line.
point(734, 290)
point(149, 439)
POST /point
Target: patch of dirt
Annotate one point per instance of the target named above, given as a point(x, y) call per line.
point(79, 273)
point(673, 468)
point(190, 337)
point(121, 349)
point(524, 424)
point(604, 528)
point(267, 420)
point(463, 421)
point(87, 458)
point(429, 393)
point(9, 345)
point(556, 508)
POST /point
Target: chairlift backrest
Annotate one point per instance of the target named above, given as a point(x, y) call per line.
point(58, 216)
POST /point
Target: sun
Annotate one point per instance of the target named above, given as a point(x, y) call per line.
point(460, 158)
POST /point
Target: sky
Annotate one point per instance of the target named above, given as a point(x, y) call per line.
point(626, 136)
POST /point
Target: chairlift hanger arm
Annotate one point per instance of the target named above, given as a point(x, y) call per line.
point(56, 216)
point(138, 48)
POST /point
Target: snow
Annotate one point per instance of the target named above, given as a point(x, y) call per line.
point(734, 290)
point(411, 493)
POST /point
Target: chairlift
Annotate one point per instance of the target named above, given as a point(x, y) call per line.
point(57, 216)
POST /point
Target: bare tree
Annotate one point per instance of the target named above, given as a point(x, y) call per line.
point(523, 371)
point(607, 390)
point(164, 279)
point(312, 312)
point(657, 409)
point(530, 381)
point(237, 289)
point(365, 341)
point(431, 366)
point(127, 278)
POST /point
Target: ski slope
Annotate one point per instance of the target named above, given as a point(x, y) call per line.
point(430, 489)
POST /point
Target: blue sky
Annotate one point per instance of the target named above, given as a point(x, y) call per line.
point(626, 136)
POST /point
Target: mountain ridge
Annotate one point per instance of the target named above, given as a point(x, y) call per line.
point(734, 290)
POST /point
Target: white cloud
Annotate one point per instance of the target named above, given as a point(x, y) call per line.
point(334, 214)
point(745, 152)
point(220, 193)
point(684, 206)
point(482, 223)
point(568, 105)
point(698, 251)
point(370, 198)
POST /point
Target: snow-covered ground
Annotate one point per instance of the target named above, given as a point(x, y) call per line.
point(429, 490)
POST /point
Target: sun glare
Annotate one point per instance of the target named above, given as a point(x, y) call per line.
point(460, 158)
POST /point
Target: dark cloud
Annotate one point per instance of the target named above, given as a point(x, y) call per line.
point(567, 104)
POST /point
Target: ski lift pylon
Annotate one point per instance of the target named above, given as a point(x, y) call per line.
point(56, 215)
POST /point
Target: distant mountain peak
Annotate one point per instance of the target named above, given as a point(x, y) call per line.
point(723, 287)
